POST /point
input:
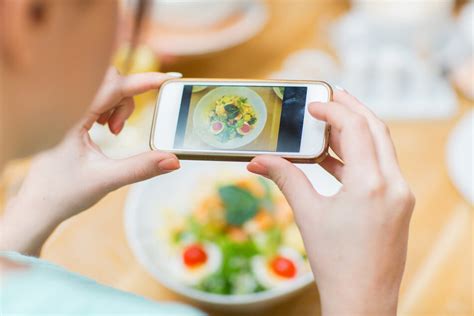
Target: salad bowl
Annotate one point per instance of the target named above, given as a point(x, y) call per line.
point(155, 206)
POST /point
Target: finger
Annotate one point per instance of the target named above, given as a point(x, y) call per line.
point(385, 149)
point(141, 167)
point(132, 85)
point(120, 115)
point(291, 180)
point(356, 143)
point(104, 117)
point(128, 86)
point(115, 88)
point(334, 166)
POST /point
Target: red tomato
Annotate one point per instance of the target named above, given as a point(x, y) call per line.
point(194, 255)
point(283, 267)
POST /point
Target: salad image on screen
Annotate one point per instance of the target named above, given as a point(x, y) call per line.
point(232, 117)
point(240, 118)
point(229, 117)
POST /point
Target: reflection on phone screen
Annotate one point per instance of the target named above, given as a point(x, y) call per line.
point(241, 118)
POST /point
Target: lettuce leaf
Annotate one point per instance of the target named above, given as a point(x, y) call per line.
point(240, 205)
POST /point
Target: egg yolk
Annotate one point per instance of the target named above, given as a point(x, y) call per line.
point(283, 267)
point(194, 255)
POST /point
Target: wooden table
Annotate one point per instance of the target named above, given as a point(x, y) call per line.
point(439, 276)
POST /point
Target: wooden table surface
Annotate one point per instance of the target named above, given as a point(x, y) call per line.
point(439, 272)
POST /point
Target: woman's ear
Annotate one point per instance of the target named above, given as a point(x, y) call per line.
point(21, 21)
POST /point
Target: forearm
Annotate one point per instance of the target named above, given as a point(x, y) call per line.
point(25, 226)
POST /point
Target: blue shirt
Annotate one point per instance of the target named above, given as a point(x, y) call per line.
point(43, 288)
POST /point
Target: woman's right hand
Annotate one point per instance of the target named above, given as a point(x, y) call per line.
point(76, 174)
point(357, 239)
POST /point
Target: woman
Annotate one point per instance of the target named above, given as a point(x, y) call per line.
point(54, 55)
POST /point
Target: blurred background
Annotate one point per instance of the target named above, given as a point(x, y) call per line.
point(411, 61)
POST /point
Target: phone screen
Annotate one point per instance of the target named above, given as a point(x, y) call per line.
point(241, 118)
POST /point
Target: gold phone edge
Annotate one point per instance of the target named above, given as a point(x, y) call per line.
point(232, 157)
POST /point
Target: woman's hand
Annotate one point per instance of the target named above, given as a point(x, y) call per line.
point(356, 240)
point(75, 174)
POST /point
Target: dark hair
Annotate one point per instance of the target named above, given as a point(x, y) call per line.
point(140, 15)
point(141, 10)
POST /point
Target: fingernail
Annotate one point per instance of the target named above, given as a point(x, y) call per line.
point(257, 168)
point(175, 74)
point(169, 164)
point(339, 88)
point(117, 129)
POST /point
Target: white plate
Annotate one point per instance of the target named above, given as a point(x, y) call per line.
point(460, 156)
point(189, 14)
point(198, 41)
point(201, 118)
point(143, 217)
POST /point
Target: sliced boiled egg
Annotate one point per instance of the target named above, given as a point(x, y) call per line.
point(195, 262)
point(217, 127)
point(285, 266)
point(244, 129)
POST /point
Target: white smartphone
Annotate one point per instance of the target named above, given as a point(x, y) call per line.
point(214, 119)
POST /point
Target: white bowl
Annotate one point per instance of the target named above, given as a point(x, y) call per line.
point(175, 191)
point(181, 41)
point(194, 13)
point(201, 119)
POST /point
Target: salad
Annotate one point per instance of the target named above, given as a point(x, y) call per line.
point(240, 239)
point(230, 117)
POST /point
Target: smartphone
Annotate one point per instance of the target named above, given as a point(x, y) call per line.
point(223, 119)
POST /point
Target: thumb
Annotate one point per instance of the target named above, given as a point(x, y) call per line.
point(142, 167)
point(294, 184)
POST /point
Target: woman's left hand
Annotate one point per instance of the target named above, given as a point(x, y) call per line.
point(75, 174)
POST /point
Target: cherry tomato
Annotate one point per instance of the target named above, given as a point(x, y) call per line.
point(283, 267)
point(194, 255)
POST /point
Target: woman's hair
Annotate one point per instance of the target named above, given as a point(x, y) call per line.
point(140, 15)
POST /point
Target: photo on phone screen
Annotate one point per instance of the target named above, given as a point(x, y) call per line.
point(241, 118)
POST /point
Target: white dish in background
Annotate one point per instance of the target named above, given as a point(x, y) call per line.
point(394, 83)
point(201, 117)
point(193, 13)
point(460, 156)
point(147, 202)
point(235, 29)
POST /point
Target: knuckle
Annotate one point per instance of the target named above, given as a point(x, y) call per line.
point(281, 180)
point(375, 187)
point(358, 122)
point(412, 198)
point(402, 196)
point(146, 169)
point(383, 127)
point(140, 173)
point(121, 91)
point(281, 176)
point(131, 107)
point(154, 161)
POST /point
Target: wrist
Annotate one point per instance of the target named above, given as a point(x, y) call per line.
point(350, 300)
point(25, 225)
